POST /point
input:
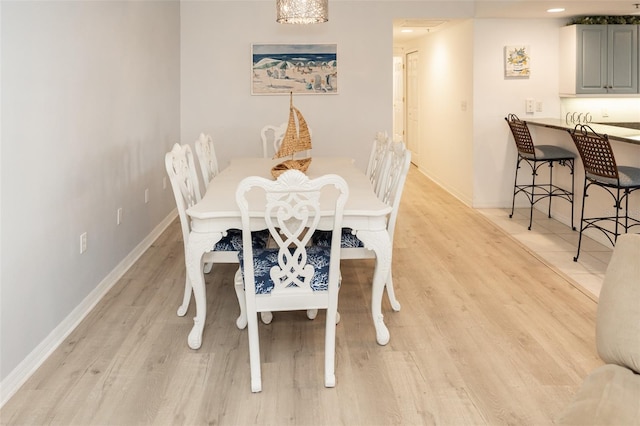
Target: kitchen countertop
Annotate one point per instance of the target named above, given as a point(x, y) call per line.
point(622, 134)
point(628, 125)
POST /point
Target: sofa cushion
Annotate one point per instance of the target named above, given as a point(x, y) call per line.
point(608, 396)
point(618, 317)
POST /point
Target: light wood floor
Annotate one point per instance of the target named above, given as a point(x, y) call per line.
point(487, 335)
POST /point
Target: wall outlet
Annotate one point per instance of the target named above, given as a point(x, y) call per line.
point(538, 106)
point(119, 216)
point(605, 113)
point(146, 195)
point(528, 105)
point(83, 242)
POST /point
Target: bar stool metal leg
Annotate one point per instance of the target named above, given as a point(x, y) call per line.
point(584, 196)
point(515, 188)
point(532, 194)
point(573, 189)
point(550, 187)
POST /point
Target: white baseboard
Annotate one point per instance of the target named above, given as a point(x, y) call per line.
point(452, 191)
point(14, 380)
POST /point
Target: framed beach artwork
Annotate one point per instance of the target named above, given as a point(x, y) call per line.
point(517, 61)
point(279, 69)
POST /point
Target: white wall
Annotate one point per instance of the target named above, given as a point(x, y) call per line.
point(494, 96)
point(90, 104)
point(446, 107)
point(468, 152)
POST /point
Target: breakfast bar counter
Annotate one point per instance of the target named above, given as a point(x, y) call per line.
point(622, 134)
point(625, 142)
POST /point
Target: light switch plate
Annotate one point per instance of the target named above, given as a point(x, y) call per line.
point(529, 105)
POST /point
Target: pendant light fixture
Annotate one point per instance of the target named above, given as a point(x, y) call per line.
point(302, 11)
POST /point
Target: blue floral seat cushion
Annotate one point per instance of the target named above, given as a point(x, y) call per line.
point(264, 259)
point(348, 240)
point(233, 240)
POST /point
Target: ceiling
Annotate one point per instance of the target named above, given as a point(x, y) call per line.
point(520, 9)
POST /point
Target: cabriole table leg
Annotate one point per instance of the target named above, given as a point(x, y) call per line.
point(199, 243)
point(379, 242)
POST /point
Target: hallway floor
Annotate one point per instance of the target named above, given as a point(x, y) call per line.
point(555, 243)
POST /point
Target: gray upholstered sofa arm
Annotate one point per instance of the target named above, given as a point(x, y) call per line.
point(610, 395)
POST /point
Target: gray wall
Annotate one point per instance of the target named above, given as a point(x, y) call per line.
point(90, 104)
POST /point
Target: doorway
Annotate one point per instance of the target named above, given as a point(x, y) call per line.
point(412, 97)
point(406, 104)
point(398, 96)
point(407, 36)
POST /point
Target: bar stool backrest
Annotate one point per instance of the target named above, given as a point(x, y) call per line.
point(521, 135)
point(595, 151)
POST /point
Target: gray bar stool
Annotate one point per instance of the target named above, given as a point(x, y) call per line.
point(601, 169)
point(536, 156)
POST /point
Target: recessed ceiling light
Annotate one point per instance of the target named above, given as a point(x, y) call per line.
point(556, 10)
point(406, 30)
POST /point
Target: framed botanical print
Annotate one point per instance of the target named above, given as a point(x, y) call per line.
point(517, 61)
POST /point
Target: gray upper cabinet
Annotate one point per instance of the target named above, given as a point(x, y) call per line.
point(599, 59)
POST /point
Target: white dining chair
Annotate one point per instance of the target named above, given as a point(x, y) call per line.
point(294, 275)
point(379, 150)
point(206, 153)
point(184, 182)
point(272, 136)
point(393, 172)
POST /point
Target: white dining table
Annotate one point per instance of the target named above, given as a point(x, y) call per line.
point(218, 212)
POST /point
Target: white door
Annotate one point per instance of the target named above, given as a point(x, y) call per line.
point(398, 98)
point(412, 136)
